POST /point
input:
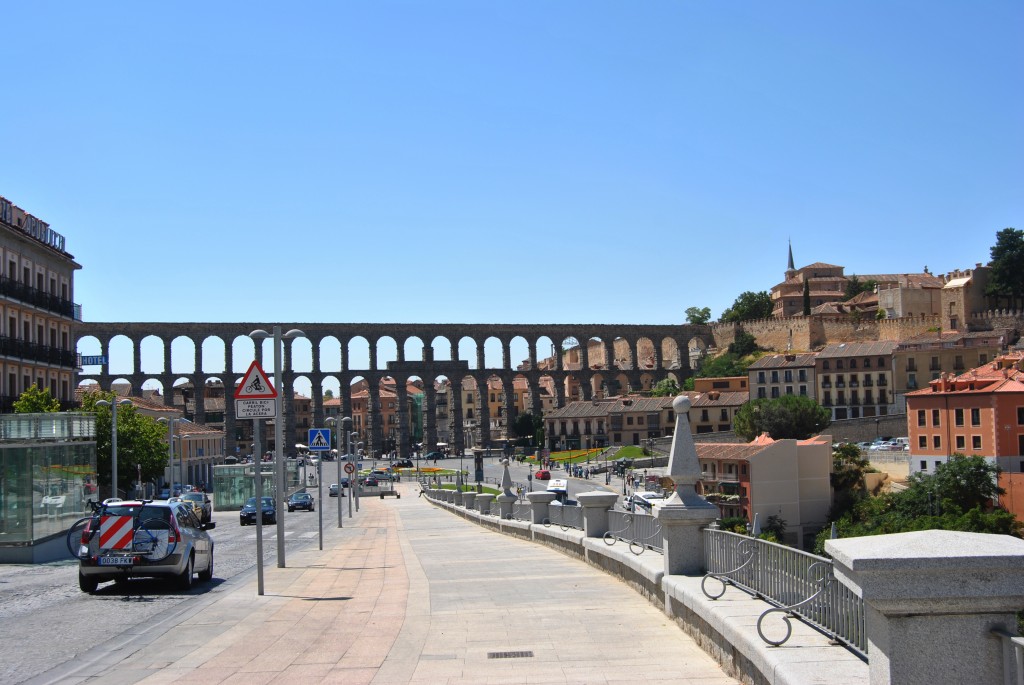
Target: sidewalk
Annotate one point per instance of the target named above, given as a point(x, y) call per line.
point(408, 593)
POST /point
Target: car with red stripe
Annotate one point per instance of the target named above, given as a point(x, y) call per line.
point(143, 538)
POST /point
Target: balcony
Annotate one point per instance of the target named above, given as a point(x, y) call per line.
point(39, 298)
point(868, 383)
point(44, 354)
point(826, 385)
point(854, 384)
point(840, 384)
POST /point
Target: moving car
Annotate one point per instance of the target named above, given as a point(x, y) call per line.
point(160, 540)
point(247, 516)
point(434, 455)
point(201, 503)
point(301, 500)
point(542, 474)
point(371, 482)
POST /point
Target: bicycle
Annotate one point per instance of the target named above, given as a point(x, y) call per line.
point(152, 539)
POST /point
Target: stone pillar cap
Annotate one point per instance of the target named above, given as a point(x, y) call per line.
point(933, 571)
point(485, 495)
point(597, 498)
point(540, 497)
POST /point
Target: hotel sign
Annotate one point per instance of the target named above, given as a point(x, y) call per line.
point(30, 226)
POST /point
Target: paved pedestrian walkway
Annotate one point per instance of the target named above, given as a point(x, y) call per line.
point(409, 593)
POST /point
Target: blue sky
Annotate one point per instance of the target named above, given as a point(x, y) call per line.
point(559, 161)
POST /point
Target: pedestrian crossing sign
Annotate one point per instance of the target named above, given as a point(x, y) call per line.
point(319, 439)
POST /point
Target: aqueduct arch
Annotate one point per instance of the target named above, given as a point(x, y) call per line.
point(635, 354)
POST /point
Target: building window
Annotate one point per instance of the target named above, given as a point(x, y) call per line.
point(761, 394)
point(775, 392)
point(921, 417)
point(937, 442)
point(1020, 416)
point(960, 442)
point(824, 364)
point(802, 375)
point(975, 416)
point(788, 376)
point(867, 363)
point(704, 415)
point(922, 442)
point(760, 376)
point(803, 390)
point(724, 416)
point(958, 417)
point(775, 376)
point(936, 414)
point(982, 359)
point(853, 363)
point(839, 364)
point(629, 420)
point(975, 442)
point(924, 465)
point(789, 389)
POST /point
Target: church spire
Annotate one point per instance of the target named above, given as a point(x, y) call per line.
point(791, 266)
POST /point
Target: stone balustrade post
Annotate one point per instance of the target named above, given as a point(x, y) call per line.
point(505, 503)
point(931, 599)
point(483, 502)
point(468, 499)
point(685, 513)
point(539, 502)
point(595, 511)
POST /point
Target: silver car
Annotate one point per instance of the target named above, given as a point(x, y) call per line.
point(133, 539)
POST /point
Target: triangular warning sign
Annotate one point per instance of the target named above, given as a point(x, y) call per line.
point(255, 385)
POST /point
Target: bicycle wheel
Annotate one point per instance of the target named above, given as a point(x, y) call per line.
point(155, 539)
point(79, 535)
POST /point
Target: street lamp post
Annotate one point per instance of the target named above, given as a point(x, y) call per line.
point(170, 451)
point(113, 439)
point(278, 429)
point(339, 429)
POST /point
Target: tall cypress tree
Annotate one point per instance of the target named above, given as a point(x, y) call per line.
point(807, 297)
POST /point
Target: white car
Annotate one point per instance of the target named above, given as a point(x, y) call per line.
point(644, 502)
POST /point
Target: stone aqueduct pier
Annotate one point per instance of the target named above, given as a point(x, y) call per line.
point(640, 356)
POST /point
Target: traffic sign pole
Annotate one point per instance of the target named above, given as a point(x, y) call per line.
point(258, 465)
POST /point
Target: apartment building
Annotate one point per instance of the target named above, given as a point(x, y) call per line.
point(38, 317)
point(919, 360)
point(775, 375)
point(785, 478)
point(714, 411)
point(721, 384)
point(579, 425)
point(855, 380)
point(977, 413)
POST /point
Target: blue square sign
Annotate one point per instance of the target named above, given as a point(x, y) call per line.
point(319, 439)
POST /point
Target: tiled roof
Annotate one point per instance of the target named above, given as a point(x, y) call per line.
point(644, 404)
point(985, 379)
point(863, 298)
point(858, 349)
point(721, 399)
point(580, 409)
point(779, 361)
point(821, 265)
point(954, 337)
point(727, 450)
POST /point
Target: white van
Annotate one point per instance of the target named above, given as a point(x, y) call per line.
point(903, 443)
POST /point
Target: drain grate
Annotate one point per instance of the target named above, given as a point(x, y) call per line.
point(509, 655)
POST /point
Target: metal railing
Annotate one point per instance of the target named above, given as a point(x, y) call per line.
point(10, 287)
point(797, 583)
point(1013, 657)
point(522, 511)
point(640, 531)
point(15, 347)
point(566, 516)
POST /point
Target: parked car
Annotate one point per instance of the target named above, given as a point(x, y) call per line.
point(404, 464)
point(542, 474)
point(644, 502)
point(434, 455)
point(247, 516)
point(202, 504)
point(301, 500)
point(332, 490)
point(371, 482)
point(153, 527)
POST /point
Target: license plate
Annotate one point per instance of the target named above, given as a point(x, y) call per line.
point(116, 561)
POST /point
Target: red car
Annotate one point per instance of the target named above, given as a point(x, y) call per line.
point(542, 474)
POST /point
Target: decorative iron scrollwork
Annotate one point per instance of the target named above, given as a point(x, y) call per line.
point(745, 549)
point(823, 580)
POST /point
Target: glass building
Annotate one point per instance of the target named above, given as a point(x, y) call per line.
point(47, 474)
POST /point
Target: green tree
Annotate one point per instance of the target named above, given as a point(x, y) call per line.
point(847, 478)
point(807, 297)
point(1006, 278)
point(525, 427)
point(958, 496)
point(749, 306)
point(36, 401)
point(665, 388)
point(855, 287)
point(141, 440)
point(698, 316)
point(787, 417)
point(688, 383)
point(743, 345)
point(722, 366)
